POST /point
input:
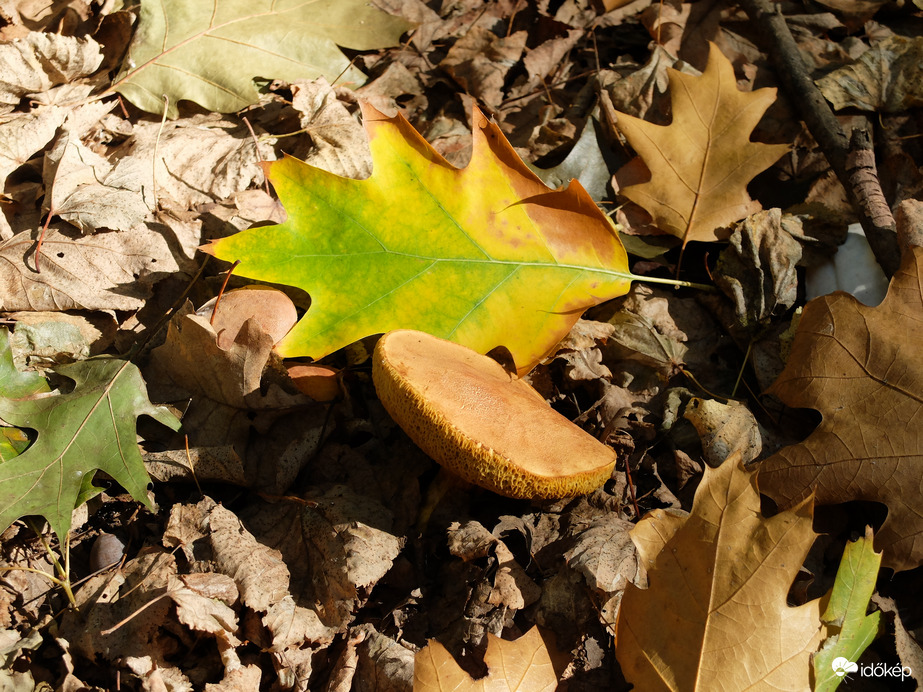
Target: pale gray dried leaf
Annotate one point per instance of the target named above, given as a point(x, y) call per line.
point(212, 585)
point(757, 270)
point(187, 525)
point(36, 63)
point(107, 599)
point(605, 555)
point(636, 337)
point(107, 271)
point(383, 665)
point(885, 78)
point(198, 160)
point(259, 572)
point(243, 679)
point(203, 614)
point(470, 540)
point(340, 145)
point(725, 429)
point(96, 331)
point(294, 625)
point(222, 464)
point(632, 89)
point(586, 334)
point(584, 163)
point(80, 191)
point(349, 546)
point(512, 588)
point(22, 135)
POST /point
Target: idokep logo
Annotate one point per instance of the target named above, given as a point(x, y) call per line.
point(842, 666)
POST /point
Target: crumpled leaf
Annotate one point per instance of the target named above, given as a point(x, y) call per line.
point(91, 428)
point(24, 134)
point(212, 53)
point(38, 62)
point(80, 193)
point(604, 553)
point(714, 616)
point(523, 665)
point(198, 160)
point(490, 245)
point(701, 162)
point(106, 271)
point(261, 576)
point(845, 616)
point(757, 270)
point(861, 368)
point(885, 78)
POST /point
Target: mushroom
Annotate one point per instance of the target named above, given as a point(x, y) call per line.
point(479, 422)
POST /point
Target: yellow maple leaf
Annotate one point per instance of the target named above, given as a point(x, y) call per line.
point(702, 161)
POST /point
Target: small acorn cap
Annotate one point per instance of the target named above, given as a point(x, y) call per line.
point(467, 413)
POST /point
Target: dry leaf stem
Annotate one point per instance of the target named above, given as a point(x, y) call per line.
point(852, 161)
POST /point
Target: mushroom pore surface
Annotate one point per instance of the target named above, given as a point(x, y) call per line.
point(466, 412)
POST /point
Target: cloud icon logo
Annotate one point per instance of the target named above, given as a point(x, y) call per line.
point(842, 666)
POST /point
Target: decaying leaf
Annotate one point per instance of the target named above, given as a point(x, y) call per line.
point(701, 162)
point(715, 614)
point(91, 428)
point(861, 368)
point(885, 78)
point(490, 245)
point(24, 134)
point(80, 193)
point(34, 64)
point(523, 665)
point(106, 271)
point(213, 53)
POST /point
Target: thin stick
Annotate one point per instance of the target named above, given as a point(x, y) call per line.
point(41, 239)
point(221, 292)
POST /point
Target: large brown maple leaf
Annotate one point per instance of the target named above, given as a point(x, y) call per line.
point(862, 368)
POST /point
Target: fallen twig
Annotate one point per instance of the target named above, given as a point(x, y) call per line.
point(852, 161)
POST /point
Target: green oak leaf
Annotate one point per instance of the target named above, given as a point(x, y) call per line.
point(845, 615)
point(87, 429)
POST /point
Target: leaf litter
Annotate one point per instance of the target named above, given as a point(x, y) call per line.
point(292, 543)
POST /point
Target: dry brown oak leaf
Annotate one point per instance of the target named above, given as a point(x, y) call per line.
point(702, 161)
point(861, 368)
point(523, 665)
point(715, 614)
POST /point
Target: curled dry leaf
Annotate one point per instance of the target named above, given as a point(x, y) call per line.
point(273, 311)
point(701, 162)
point(861, 368)
point(714, 615)
point(885, 78)
point(80, 192)
point(36, 63)
point(523, 665)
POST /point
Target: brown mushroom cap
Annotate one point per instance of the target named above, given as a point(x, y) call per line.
point(466, 412)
